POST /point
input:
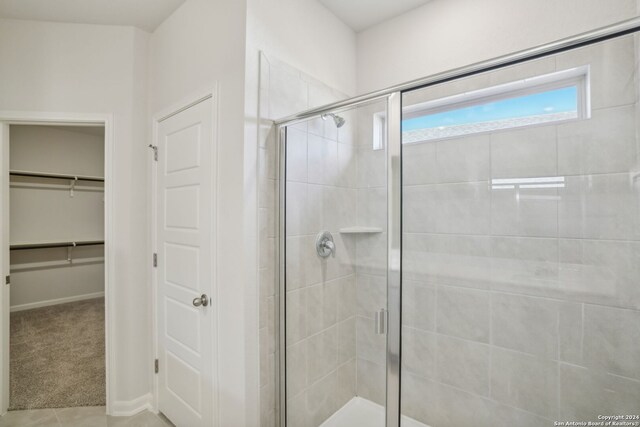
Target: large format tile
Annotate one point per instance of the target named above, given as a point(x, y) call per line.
point(585, 394)
point(370, 346)
point(296, 324)
point(600, 272)
point(419, 398)
point(296, 155)
point(528, 152)
point(526, 382)
point(531, 212)
point(525, 265)
point(338, 208)
point(447, 259)
point(371, 167)
point(322, 354)
point(34, 417)
point(464, 159)
point(611, 338)
point(600, 207)
point(346, 297)
point(346, 382)
point(463, 364)
point(91, 416)
point(371, 294)
point(143, 419)
point(372, 207)
point(371, 251)
point(322, 399)
point(322, 160)
point(532, 325)
point(296, 368)
point(322, 305)
point(605, 143)
point(462, 208)
point(347, 340)
point(508, 416)
point(457, 408)
point(418, 305)
point(463, 313)
point(296, 209)
point(371, 381)
point(347, 161)
point(418, 352)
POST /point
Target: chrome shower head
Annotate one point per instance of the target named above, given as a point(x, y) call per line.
point(339, 121)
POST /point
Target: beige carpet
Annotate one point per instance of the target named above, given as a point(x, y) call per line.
point(57, 356)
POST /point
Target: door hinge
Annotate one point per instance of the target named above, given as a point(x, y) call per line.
point(155, 259)
point(156, 366)
point(7, 280)
point(155, 151)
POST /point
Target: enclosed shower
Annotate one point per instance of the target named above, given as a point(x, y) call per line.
point(464, 250)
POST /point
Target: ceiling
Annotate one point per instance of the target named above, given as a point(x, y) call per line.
point(362, 14)
point(144, 14)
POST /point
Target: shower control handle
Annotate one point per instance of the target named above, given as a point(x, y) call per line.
point(325, 245)
point(202, 300)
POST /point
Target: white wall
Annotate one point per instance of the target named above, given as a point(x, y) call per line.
point(307, 36)
point(55, 67)
point(298, 56)
point(201, 45)
point(445, 34)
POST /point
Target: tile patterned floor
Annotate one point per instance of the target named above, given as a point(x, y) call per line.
point(93, 416)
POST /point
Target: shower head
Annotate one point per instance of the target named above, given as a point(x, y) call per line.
point(339, 121)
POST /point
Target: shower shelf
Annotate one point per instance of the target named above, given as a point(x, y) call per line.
point(360, 230)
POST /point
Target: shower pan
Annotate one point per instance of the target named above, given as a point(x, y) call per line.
point(464, 250)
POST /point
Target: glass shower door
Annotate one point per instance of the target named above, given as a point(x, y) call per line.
point(335, 251)
point(521, 243)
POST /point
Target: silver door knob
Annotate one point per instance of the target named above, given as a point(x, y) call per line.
point(202, 300)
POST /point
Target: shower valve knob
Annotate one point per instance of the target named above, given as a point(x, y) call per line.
point(325, 245)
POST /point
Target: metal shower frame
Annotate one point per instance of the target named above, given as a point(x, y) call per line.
point(393, 96)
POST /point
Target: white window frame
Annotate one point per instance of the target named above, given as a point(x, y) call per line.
point(379, 130)
point(575, 77)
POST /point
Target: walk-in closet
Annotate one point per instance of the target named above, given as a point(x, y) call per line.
point(57, 329)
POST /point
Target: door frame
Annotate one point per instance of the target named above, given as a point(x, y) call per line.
point(209, 93)
point(8, 118)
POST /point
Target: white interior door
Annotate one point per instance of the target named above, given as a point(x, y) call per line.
point(185, 218)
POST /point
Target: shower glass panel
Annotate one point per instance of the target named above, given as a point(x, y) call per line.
point(521, 243)
point(335, 250)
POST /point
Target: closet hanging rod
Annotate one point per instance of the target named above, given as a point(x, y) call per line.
point(56, 245)
point(56, 175)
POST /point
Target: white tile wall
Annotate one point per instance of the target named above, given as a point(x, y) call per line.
point(321, 294)
point(532, 293)
point(520, 306)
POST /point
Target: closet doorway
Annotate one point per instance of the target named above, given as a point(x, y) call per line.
point(54, 262)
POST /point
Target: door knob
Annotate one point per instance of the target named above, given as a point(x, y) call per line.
point(202, 300)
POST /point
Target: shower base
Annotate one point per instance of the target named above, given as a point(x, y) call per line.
point(363, 412)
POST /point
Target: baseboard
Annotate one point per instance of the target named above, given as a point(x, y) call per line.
point(56, 301)
point(127, 408)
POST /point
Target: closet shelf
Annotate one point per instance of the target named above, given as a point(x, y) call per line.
point(48, 245)
point(360, 230)
point(56, 175)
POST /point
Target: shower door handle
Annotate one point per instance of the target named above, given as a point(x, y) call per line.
point(380, 318)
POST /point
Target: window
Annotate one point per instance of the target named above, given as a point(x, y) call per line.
point(549, 98)
point(379, 130)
